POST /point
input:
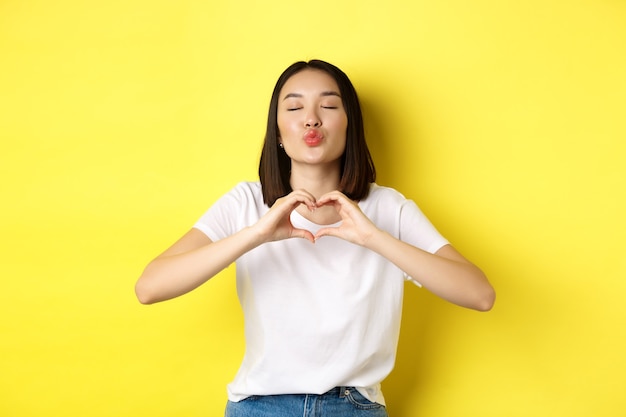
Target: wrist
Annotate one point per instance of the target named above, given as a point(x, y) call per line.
point(253, 237)
point(375, 240)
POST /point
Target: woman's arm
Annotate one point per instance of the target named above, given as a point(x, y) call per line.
point(189, 263)
point(447, 273)
point(194, 258)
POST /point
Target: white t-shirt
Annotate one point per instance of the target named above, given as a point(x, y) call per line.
point(318, 315)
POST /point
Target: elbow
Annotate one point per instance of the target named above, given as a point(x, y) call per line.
point(147, 289)
point(484, 295)
point(144, 300)
point(143, 293)
point(142, 297)
point(486, 300)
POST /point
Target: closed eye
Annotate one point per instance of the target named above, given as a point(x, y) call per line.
point(294, 108)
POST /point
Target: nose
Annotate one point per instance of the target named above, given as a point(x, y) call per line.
point(312, 120)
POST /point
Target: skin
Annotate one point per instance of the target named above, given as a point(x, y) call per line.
point(309, 101)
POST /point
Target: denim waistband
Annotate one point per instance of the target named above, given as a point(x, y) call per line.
point(340, 391)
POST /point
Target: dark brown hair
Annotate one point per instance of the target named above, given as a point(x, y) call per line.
point(357, 166)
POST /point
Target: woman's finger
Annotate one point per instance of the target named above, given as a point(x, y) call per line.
point(297, 197)
point(301, 233)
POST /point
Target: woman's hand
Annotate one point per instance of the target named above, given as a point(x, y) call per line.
point(447, 273)
point(355, 226)
point(276, 223)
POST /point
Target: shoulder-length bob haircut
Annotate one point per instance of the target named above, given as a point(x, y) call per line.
point(357, 166)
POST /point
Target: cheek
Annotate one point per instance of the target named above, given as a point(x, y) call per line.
point(342, 126)
point(284, 124)
point(342, 122)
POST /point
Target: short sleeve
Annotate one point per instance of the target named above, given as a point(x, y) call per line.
point(227, 215)
point(417, 230)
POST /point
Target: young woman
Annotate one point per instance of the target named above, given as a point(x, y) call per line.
point(322, 253)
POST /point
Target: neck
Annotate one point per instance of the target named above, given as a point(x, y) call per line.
point(317, 180)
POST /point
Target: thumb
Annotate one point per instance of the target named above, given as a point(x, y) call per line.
point(305, 234)
point(327, 231)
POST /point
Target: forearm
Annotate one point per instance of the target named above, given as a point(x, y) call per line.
point(447, 275)
point(169, 276)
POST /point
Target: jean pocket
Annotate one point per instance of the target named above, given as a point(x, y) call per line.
point(359, 401)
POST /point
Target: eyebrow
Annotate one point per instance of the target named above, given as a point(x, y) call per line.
point(322, 94)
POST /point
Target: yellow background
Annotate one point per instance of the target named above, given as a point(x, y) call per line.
point(122, 121)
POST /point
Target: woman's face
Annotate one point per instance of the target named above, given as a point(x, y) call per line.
point(312, 122)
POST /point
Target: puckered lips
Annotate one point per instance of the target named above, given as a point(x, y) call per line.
point(313, 137)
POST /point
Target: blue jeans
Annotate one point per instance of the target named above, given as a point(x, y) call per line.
point(338, 402)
